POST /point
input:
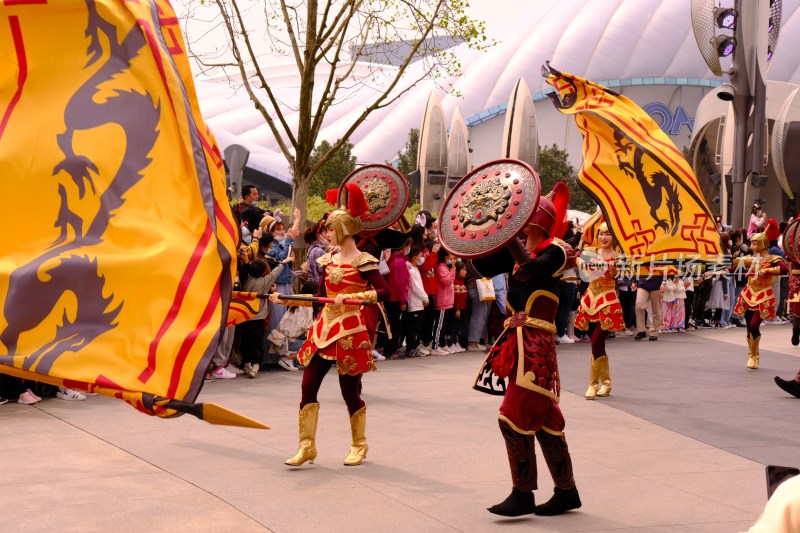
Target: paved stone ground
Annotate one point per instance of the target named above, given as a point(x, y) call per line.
point(679, 446)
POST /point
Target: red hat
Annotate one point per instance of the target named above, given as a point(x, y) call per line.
point(551, 214)
point(772, 230)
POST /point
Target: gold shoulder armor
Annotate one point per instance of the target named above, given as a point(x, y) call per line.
point(324, 260)
point(365, 262)
point(558, 242)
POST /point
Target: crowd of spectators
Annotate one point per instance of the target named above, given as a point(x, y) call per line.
point(435, 305)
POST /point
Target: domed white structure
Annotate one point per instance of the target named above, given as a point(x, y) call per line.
point(643, 48)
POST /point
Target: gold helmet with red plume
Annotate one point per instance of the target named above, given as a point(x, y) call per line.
point(346, 218)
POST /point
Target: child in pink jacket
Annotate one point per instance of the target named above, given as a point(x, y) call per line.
point(445, 275)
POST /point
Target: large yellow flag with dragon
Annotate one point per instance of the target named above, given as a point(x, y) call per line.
point(115, 263)
point(645, 187)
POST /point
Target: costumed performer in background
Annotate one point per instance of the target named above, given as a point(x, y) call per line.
point(341, 333)
point(600, 311)
point(525, 352)
point(757, 301)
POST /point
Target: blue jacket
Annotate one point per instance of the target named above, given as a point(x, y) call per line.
point(279, 251)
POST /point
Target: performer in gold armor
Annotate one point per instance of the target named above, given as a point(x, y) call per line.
point(757, 301)
point(342, 334)
point(600, 312)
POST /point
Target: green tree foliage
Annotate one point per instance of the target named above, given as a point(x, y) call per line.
point(407, 158)
point(553, 167)
point(334, 170)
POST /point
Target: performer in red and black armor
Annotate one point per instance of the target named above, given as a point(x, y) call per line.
point(794, 300)
point(757, 301)
point(600, 311)
point(525, 353)
point(342, 334)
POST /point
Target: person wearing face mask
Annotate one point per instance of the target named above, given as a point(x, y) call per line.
point(458, 326)
point(318, 247)
point(399, 282)
point(417, 301)
point(282, 241)
point(248, 209)
point(445, 275)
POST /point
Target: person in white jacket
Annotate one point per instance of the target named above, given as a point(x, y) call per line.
point(417, 301)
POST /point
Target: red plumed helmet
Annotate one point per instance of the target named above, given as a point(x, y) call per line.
point(772, 230)
point(551, 214)
point(545, 216)
point(332, 197)
point(349, 197)
point(356, 203)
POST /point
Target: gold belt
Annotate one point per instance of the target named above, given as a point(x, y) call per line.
point(796, 271)
point(531, 322)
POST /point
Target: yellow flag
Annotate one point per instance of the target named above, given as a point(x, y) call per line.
point(244, 306)
point(645, 187)
point(115, 263)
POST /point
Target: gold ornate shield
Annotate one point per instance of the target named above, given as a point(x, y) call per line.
point(489, 206)
point(386, 192)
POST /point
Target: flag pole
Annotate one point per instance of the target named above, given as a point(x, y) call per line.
point(317, 299)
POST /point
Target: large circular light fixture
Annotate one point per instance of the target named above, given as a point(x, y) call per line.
point(725, 45)
point(726, 18)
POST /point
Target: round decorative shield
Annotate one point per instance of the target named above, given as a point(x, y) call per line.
point(791, 240)
point(386, 192)
point(489, 206)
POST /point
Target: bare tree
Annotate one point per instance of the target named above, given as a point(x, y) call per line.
point(372, 50)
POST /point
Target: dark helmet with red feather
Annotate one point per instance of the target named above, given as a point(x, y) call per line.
point(551, 214)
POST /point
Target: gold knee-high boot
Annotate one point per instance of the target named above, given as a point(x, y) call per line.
point(308, 434)
point(591, 392)
point(604, 374)
point(359, 448)
point(753, 355)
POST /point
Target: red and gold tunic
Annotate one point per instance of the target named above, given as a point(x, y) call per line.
point(758, 295)
point(794, 290)
point(600, 302)
point(343, 333)
point(525, 352)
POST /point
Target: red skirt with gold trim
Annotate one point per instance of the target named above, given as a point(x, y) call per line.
point(765, 307)
point(609, 316)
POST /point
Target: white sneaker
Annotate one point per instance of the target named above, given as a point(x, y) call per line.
point(222, 373)
point(440, 351)
point(565, 340)
point(424, 350)
point(70, 395)
point(378, 356)
point(235, 369)
point(286, 363)
point(28, 398)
